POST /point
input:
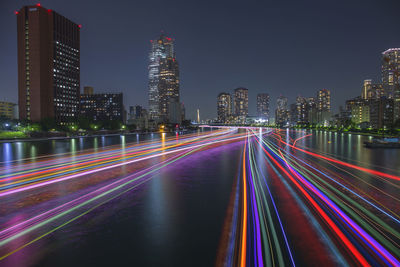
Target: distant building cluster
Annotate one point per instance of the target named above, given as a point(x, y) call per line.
point(305, 111)
point(233, 110)
point(378, 106)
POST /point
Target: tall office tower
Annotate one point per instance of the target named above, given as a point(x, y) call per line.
point(324, 100)
point(224, 107)
point(162, 59)
point(48, 65)
point(263, 106)
point(391, 71)
point(281, 112)
point(168, 86)
point(241, 103)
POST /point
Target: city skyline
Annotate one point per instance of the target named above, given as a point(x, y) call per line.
point(130, 77)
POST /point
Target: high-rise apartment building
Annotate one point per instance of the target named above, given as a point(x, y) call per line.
point(263, 106)
point(163, 77)
point(48, 65)
point(391, 72)
point(302, 109)
point(224, 107)
point(371, 90)
point(282, 112)
point(324, 100)
point(241, 103)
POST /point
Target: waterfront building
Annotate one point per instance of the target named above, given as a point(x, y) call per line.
point(382, 112)
point(391, 71)
point(163, 77)
point(8, 110)
point(224, 107)
point(282, 112)
point(302, 109)
point(48, 65)
point(293, 114)
point(241, 104)
point(360, 113)
point(102, 107)
point(263, 106)
point(324, 100)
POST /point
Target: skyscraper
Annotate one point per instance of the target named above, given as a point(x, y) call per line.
point(224, 107)
point(282, 113)
point(390, 78)
point(48, 65)
point(263, 106)
point(168, 86)
point(391, 71)
point(163, 77)
point(241, 103)
point(324, 100)
point(302, 109)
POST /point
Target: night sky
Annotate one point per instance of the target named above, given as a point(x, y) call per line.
point(278, 47)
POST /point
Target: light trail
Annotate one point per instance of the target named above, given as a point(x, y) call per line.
point(291, 206)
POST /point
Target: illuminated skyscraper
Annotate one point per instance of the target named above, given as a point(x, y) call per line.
point(168, 86)
point(324, 100)
point(371, 91)
point(282, 112)
point(163, 77)
point(263, 106)
point(391, 71)
point(224, 107)
point(241, 103)
point(390, 78)
point(48, 65)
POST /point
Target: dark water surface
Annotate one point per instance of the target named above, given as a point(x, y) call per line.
point(174, 219)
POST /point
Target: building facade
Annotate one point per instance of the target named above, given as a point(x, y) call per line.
point(163, 77)
point(224, 107)
point(48, 65)
point(391, 71)
point(241, 104)
point(282, 112)
point(381, 113)
point(8, 110)
point(102, 107)
point(263, 106)
point(168, 87)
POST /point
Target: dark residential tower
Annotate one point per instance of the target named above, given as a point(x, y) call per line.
point(48, 65)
